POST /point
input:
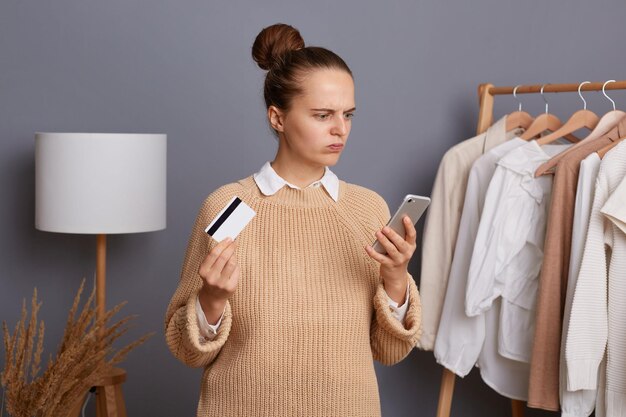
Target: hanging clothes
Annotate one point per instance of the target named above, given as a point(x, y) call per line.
point(508, 250)
point(442, 223)
point(543, 391)
point(599, 306)
point(467, 313)
point(578, 403)
point(464, 341)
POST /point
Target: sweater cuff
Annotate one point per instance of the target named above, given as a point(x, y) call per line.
point(195, 341)
point(413, 318)
point(582, 374)
point(615, 210)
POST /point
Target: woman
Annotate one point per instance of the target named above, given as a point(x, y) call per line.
point(286, 319)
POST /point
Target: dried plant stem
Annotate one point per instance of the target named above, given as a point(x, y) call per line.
point(82, 359)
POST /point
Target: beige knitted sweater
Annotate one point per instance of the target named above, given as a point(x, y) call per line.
point(309, 315)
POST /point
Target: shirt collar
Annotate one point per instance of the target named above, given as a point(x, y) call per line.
point(269, 182)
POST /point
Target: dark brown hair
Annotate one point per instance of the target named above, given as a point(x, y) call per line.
point(280, 50)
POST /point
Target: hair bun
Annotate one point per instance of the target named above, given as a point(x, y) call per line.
point(273, 42)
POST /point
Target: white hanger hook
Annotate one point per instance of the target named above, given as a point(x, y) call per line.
point(519, 108)
point(604, 92)
point(580, 94)
point(544, 97)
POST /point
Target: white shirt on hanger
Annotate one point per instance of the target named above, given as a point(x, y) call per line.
point(508, 251)
point(269, 182)
point(442, 222)
point(464, 341)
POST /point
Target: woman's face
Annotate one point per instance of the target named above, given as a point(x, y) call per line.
point(319, 117)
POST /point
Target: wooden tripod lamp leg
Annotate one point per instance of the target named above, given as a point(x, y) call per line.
point(109, 398)
point(101, 257)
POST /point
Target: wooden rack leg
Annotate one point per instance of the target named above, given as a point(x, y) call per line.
point(445, 394)
point(447, 389)
point(517, 408)
point(485, 113)
point(485, 119)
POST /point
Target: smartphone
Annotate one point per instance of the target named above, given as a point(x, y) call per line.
point(412, 205)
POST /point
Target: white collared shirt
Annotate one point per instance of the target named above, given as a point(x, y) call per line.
point(269, 182)
point(464, 341)
point(442, 222)
point(508, 250)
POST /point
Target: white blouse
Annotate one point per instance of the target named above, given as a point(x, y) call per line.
point(464, 341)
point(508, 251)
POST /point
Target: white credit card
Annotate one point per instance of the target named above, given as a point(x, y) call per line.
point(231, 220)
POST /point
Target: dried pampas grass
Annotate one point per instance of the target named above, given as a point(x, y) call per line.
point(82, 359)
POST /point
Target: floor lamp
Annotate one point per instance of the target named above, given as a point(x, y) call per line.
point(101, 183)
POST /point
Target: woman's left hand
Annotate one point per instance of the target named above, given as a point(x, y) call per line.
point(394, 265)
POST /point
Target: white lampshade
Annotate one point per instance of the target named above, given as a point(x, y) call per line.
point(100, 183)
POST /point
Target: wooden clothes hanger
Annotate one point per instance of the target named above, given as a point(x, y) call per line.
point(543, 122)
point(617, 134)
point(486, 93)
point(519, 118)
point(582, 118)
point(608, 121)
point(607, 148)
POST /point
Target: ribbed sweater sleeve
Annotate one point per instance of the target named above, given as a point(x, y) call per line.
point(391, 341)
point(588, 329)
point(181, 322)
point(615, 207)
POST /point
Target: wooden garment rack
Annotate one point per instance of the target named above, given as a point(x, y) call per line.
point(486, 95)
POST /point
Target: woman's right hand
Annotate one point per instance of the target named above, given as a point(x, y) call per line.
point(220, 276)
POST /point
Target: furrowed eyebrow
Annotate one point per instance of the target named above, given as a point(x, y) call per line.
point(332, 110)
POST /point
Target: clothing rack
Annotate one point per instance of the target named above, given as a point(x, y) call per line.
point(486, 95)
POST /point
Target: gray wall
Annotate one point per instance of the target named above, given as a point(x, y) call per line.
point(184, 68)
